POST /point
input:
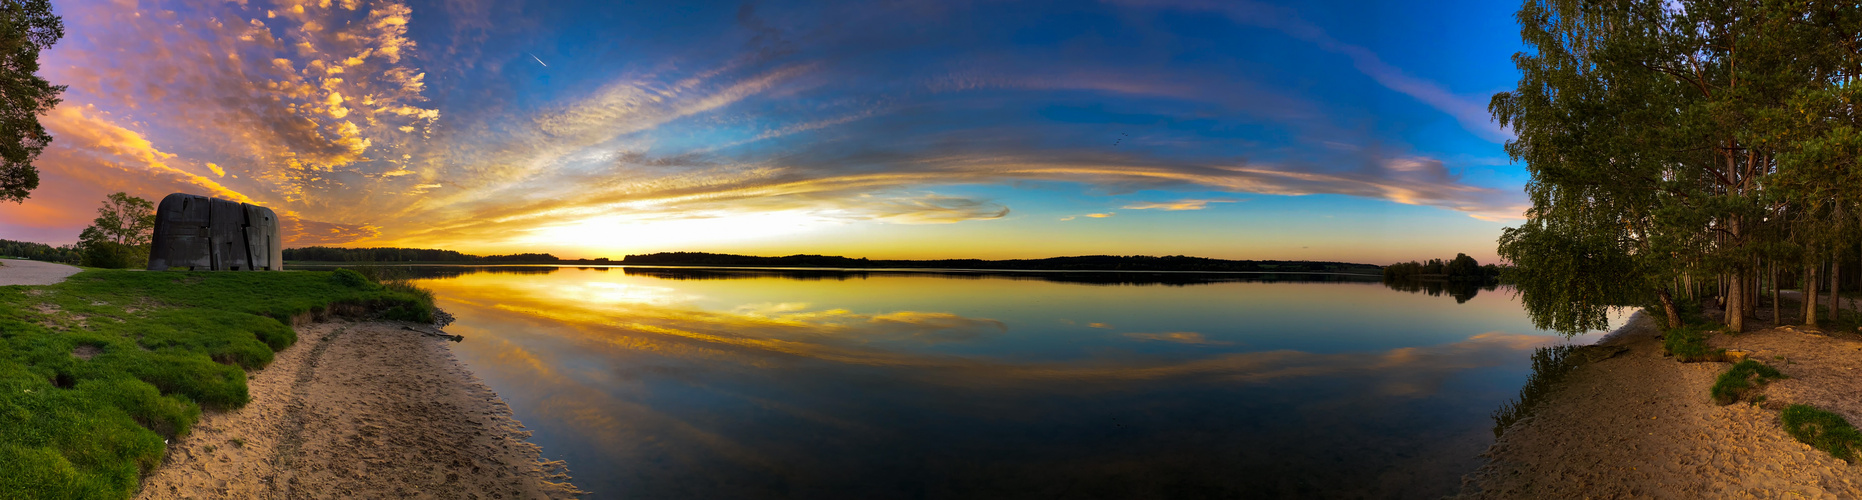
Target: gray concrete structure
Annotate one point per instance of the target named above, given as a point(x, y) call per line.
point(200, 233)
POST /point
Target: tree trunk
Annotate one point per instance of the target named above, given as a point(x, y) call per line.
point(1810, 294)
point(1735, 302)
point(1668, 306)
point(1836, 289)
point(1775, 318)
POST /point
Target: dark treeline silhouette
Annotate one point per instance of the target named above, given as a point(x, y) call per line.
point(1086, 278)
point(67, 254)
point(702, 259)
point(1460, 268)
point(1081, 263)
point(449, 271)
point(336, 254)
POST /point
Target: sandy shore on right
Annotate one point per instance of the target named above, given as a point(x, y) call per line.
point(1641, 425)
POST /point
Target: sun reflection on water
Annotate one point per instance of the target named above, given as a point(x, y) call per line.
point(885, 386)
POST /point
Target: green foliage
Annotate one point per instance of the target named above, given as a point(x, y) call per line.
point(1688, 344)
point(1461, 268)
point(39, 251)
point(161, 346)
point(113, 255)
point(119, 237)
point(350, 278)
point(1823, 430)
point(1676, 138)
point(123, 219)
point(27, 27)
point(1740, 380)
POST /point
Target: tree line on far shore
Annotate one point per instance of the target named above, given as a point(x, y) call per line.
point(393, 254)
point(1460, 268)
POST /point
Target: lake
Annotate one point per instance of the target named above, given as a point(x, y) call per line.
point(695, 383)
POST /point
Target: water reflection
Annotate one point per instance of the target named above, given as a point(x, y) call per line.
point(663, 383)
point(1462, 291)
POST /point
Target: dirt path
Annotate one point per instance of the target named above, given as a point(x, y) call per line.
point(32, 272)
point(361, 410)
point(1642, 425)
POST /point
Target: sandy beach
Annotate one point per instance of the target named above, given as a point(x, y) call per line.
point(361, 410)
point(1640, 425)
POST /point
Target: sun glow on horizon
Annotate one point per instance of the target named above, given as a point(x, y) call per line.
point(636, 233)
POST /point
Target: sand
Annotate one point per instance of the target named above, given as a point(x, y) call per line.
point(32, 272)
point(1641, 425)
point(361, 410)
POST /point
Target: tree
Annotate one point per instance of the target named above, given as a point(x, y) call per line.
point(1660, 138)
point(120, 235)
point(26, 28)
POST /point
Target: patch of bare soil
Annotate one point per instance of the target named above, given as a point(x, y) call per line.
point(32, 272)
point(361, 410)
point(1640, 425)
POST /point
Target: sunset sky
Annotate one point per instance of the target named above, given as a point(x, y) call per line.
point(1352, 131)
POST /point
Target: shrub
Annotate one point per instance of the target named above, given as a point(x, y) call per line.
point(1688, 344)
point(1742, 379)
point(113, 255)
point(1823, 430)
point(349, 278)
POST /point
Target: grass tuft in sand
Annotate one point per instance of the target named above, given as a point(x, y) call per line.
point(1741, 380)
point(1688, 344)
point(1823, 430)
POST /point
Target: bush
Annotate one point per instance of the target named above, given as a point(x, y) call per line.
point(1741, 379)
point(1688, 344)
point(350, 278)
point(113, 255)
point(1823, 430)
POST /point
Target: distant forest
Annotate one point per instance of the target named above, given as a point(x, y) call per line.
point(701, 259)
point(1088, 262)
point(1460, 268)
point(39, 251)
point(332, 254)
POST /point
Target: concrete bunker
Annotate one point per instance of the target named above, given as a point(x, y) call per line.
point(209, 234)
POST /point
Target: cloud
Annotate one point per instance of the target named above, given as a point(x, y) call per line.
point(343, 116)
point(1471, 112)
point(1177, 338)
point(1187, 204)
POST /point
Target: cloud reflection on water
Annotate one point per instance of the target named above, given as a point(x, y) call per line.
point(665, 384)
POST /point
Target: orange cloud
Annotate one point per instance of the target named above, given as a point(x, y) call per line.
point(1179, 204)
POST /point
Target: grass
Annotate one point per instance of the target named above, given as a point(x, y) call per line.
point(1822, 430)
point(1740, 380)
point(161, 346)
point(1549, 365)
point(1688, 344)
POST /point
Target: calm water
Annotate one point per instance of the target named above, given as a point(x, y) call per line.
point(668, 383)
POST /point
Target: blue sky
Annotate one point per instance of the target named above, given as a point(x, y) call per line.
point(1351, 131)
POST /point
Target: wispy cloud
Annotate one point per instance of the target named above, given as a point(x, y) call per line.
point(1471, 112)
point(1186, 204)
point(1177, 338)
point(335, 115)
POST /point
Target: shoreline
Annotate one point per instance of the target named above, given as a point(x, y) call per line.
point(1643, 425)
point(361, 409)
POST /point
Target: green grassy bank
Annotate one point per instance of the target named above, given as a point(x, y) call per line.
point(97, 372)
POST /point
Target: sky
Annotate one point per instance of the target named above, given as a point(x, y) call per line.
point(1346, 131)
